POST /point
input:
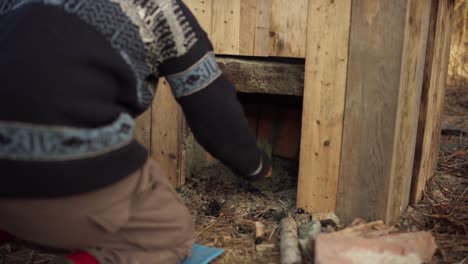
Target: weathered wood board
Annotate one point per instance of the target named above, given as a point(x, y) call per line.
point(386, 57)
point(409, 98)
point(258, 76)
point(432, 102)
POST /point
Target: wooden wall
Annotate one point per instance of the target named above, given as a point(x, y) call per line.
point(375, 75)
point(254, 27)
point(364, 79)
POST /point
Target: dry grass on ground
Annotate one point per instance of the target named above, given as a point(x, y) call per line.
point(444, 208)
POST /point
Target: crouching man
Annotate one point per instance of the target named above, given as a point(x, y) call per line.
point(74, 75)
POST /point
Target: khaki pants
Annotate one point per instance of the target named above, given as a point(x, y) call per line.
point(140, 219)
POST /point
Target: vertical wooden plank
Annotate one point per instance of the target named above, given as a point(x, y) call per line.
point(432, 102)
point(166, 130)
point(375, 55)
point(262, 28)
point(288, 26)
point(323, 107)
point(143, 129)
point(201, 9)
point(225, 30)
point(248, 10)
point(409, 98)
point(387, 45)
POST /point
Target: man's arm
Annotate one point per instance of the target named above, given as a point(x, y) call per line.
point(211, 107)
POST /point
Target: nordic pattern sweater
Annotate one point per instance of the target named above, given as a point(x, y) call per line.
point(75, 73)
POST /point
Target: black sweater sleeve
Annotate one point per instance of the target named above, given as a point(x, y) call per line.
point(211, 108)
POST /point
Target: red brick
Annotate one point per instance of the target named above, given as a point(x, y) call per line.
point(289, 134)
point(417, 247)
point(4, 236)
point(251, 113)
point(265, 128)
point(266, 121)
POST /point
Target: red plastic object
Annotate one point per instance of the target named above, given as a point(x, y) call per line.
point(4, 236)
point(82, 257)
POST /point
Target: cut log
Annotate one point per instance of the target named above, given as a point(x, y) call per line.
point(256, 76)
point(307, 234)
point(264, 247)
point(289, 245)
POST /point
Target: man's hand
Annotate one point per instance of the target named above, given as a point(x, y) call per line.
point(270, 172)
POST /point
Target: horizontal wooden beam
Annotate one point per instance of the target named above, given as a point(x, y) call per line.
point(261, 76)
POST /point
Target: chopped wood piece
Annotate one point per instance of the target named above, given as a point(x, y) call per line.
point(259, 231)
point(289, 245)
point(310, 230)
point(307, 234)
point(372, 229)
point(264, 247)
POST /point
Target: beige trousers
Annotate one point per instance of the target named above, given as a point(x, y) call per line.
point(140, 219)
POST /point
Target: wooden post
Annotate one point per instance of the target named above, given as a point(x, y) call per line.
point(385, 71)
point(289, 244)
point(324, 98)
point(432, 102)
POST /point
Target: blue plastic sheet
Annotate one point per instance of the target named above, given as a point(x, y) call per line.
point(203, 255)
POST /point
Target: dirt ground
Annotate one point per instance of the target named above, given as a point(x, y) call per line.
point(444, 208)
point(225, 209)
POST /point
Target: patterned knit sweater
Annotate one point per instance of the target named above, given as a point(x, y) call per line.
point(75, 73)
